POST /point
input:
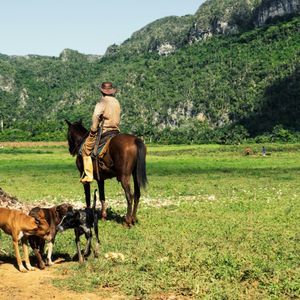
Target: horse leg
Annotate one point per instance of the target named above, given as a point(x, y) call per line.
point(125, 181)
point(137, 195)
point(87, 193)
point(102, 199)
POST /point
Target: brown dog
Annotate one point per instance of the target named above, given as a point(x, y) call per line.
point(19, 226)
point(53, 216)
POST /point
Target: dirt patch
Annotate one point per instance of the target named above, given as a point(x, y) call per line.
point(36, 285)
point(31, 144)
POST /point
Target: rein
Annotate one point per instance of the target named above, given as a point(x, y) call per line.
point(75, 150)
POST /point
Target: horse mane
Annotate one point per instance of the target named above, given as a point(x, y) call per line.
point(76, 135)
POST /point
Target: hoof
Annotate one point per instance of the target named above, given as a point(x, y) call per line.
point(129, 221)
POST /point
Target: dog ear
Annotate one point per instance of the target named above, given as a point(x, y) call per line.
point(62, 209)
point(59, 208)
point(41, 214)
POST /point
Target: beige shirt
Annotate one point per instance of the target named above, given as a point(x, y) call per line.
point(109, 107)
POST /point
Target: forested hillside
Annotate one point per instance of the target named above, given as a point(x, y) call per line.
point(222, 88)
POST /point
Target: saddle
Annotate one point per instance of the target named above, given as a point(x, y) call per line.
point(104, 160)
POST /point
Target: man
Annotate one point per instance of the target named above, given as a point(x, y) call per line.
point(106, 114)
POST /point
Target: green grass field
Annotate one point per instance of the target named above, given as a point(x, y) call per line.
point(213, 223)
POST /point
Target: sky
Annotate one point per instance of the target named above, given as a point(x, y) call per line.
point(47, 27)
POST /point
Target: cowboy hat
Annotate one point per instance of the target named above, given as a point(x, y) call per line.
point(107, 88)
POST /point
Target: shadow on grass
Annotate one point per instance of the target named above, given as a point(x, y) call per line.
point(57, 258)
point(6, 259)
point(114, 216)
point(64, 256)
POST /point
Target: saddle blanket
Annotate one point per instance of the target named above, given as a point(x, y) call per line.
point(103, 145)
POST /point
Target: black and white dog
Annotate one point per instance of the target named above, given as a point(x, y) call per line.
point(83, 220)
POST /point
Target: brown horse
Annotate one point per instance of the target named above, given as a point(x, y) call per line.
point(128, 157)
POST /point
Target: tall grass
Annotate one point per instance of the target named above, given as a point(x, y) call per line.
point(213, 223)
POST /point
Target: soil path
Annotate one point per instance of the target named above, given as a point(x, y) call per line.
point(36, 285)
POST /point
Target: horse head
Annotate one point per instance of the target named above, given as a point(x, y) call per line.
point(76, 135)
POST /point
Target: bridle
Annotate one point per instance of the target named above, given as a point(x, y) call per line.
point(77, 147)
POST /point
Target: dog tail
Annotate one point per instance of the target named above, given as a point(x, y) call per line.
point(95, 200)
point(96, 219)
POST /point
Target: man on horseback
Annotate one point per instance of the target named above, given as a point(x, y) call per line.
point(106, 116)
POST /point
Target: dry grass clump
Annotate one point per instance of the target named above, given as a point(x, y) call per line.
point(9, 201)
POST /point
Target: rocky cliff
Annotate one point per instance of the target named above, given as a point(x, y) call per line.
point(212, 18)
point(228, 17)
point(270, 9)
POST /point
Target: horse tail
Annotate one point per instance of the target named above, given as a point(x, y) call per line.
point(141, 163)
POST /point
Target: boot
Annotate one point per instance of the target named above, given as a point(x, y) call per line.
point(87, 176)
